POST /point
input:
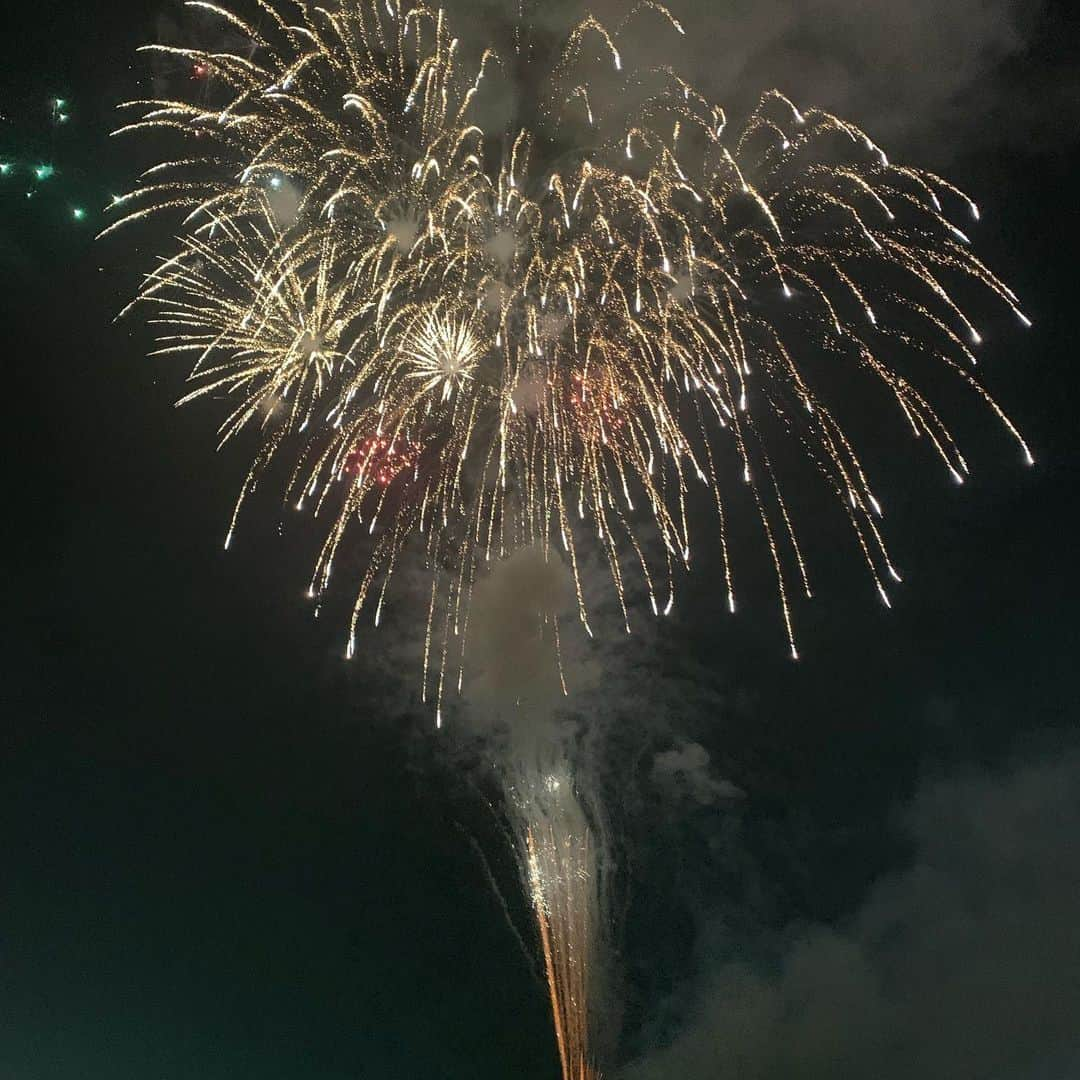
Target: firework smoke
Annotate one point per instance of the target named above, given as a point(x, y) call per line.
point(555, 825)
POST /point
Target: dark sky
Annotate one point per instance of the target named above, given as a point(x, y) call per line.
point(223, 857)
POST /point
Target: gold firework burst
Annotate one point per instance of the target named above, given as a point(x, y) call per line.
point(468, 353)
point(444, 351)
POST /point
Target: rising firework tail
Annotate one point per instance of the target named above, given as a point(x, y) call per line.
point(562, 857)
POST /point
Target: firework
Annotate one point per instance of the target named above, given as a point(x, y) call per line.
point(565, 352)
point(561, 861)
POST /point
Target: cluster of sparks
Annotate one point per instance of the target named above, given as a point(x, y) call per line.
point(383, 458)
point(555, 354)
point(40, 169)
point(560, 865)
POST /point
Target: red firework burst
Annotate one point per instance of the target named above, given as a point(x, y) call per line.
point(382, 458)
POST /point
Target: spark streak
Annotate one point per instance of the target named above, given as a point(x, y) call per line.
point(561, 866)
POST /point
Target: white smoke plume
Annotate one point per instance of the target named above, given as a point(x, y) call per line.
point(684, 772)
point(963, 965)
point(921, 76)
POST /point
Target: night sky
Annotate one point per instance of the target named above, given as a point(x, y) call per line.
point(225, 854)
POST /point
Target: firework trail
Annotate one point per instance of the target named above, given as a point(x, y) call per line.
point(461, 342)
point(555, 826)
point(562, 862)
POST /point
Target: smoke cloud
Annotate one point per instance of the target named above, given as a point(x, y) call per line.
point(931, 80)
point(512, 646)
point(684, 773)
point(917, 74)
point(966, 964)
